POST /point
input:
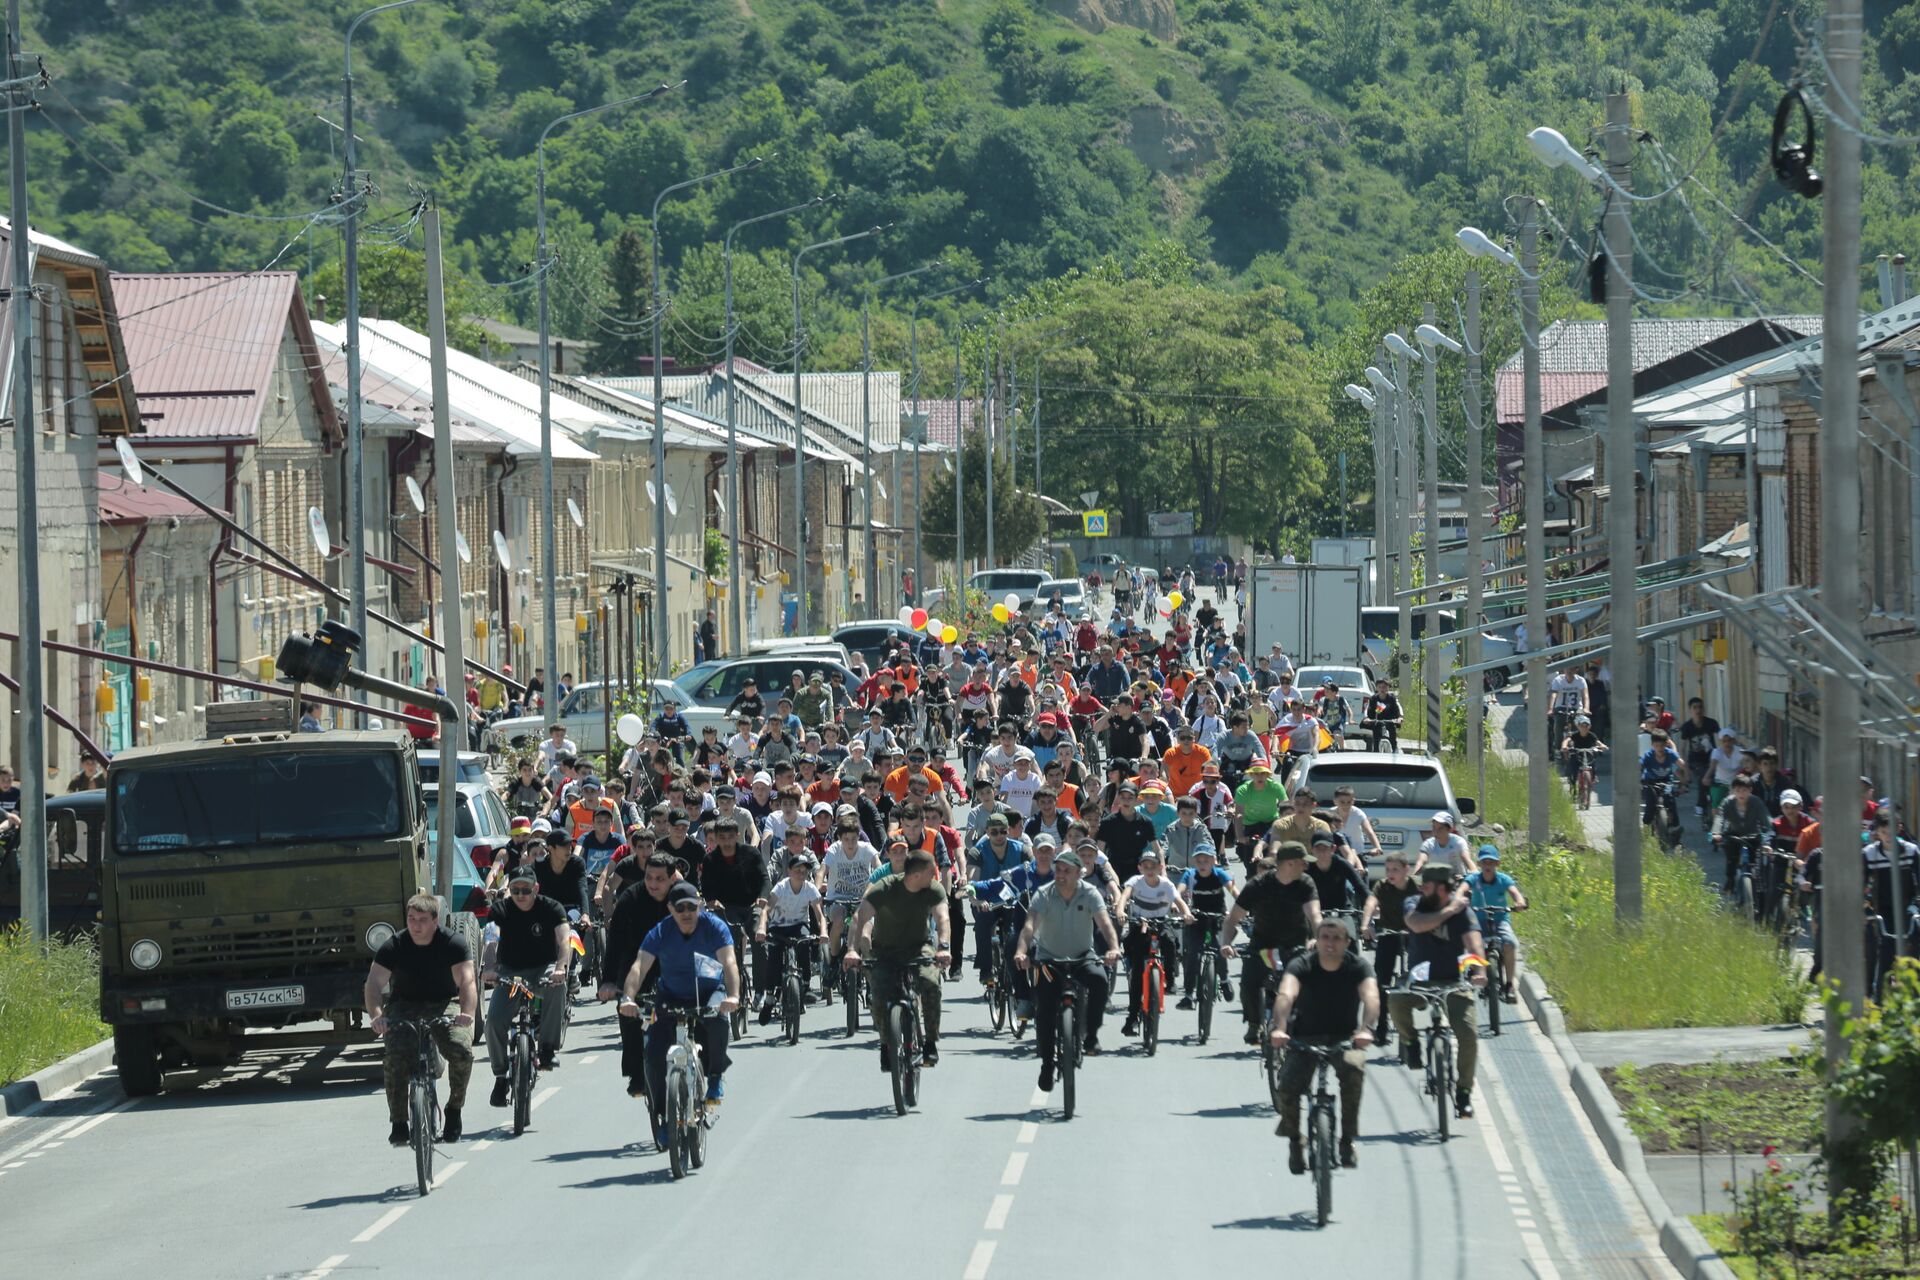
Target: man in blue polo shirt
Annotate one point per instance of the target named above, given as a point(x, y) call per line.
point(687, 946)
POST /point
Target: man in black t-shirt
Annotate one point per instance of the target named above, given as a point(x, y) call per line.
point(640, 906)
point(1442, 928)
point(1331, 996)
point(1285, 907)
point(413, 976)
point(535, 941)
point(9, 810)
point(562, 874)
point(1125, 833)
point(1126, 731)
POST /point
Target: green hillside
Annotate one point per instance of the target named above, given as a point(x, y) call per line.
point(1295, 151)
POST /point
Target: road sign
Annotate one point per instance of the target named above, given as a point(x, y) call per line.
point(1093, 524)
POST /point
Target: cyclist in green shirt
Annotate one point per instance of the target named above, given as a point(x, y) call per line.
point(1256, 806)
point(890, 932)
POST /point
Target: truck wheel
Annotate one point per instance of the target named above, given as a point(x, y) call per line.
point(136, 1051)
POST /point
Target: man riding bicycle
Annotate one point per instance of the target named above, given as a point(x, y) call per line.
point(535, 942)
point(1331, 997)
point(686, 947)
point(414, 974)
point(1063, 920)
point(1285, 908)
point(890, 930)
point(1442, 929)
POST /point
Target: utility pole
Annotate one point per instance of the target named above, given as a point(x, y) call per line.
point(1403, 516)
point(990, 393)
point(959, 489)
point(34, 907)
point(1433, 656)
point(1476, 533)
point(1623, 556)
point(447, 518)
point(1533, 467)
point(1846, 1152)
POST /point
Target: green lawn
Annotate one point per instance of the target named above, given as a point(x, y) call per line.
point(49, 1003)
point(1720, 1106)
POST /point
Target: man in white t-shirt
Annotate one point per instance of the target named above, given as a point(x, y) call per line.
point(849, 866)
point(1149, 896)
point(1446, 847)
point(1018, 784)
point(793, 913)
point(1000, 757)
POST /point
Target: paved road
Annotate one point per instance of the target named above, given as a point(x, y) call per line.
point(281, 1169)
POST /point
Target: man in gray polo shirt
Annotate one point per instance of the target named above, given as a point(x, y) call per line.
point(1062, 922)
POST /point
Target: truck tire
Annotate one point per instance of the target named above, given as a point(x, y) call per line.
point(136, 1051)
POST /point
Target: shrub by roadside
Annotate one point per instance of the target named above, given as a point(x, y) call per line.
point(49, 1002)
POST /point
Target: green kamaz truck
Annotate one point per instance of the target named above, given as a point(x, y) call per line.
point(246, 881)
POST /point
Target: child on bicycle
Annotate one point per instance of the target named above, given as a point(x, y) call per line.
point(793, 912)
point(1148, 896)
point(1493, 894)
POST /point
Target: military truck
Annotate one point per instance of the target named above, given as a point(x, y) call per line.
point(246, 881)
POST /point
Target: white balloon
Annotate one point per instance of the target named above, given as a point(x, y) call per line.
point(906, 615)
point(630, 727)
point(1012, 602)
point(935, 626)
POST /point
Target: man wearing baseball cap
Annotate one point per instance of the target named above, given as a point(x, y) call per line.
point(1442, 928)
point(1445, 846)
point(1065, 921)
point(686, 946)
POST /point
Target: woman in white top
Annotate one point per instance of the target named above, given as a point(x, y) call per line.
point(1149, 896)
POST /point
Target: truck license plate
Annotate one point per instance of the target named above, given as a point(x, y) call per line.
point(266, 997)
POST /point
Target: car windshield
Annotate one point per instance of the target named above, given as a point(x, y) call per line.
point(1384, 785)
point(244, 800)
point(1345, 677)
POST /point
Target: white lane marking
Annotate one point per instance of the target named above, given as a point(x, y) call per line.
point(1497, 1152)
point(35, 1155)
point(542, 1096)
point(326, 1267)
point(440, 1179)
point(997, 1215)
point(1039, 1099)
point(386, 1220)
point(480, 1144)
point(590, 1059)
point(982, 1258)
point(1016, 1165)
point(61, 1131)
point(1029, 1130)
point(49, 1146)
point(16, 1164)
point(94, 1122)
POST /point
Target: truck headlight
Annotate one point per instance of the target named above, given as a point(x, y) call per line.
point(145, 954)
point(378, 934)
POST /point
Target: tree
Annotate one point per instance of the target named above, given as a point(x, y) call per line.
point(625, 343)
point(393, 286)
point(1251, 201)
point(1018, 518)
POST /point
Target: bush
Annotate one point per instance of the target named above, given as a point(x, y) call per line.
point(49, 1002)
point(1690, 963)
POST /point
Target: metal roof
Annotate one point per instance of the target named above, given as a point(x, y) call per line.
point(122, 503)
point(204, 347)
point(1808, 357)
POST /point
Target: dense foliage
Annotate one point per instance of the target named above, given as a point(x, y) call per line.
point(1291, 153)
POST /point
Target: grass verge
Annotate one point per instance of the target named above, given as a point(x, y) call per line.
point(1689, 963)
point(1720, 1106)
point(1506, 802)
point(49, 1002)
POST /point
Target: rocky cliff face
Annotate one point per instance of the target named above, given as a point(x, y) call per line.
point(1156, 16)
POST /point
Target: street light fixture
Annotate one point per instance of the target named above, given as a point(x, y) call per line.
point(1478, 244)
point(1357, 392)
point(662, 640)
point(1401, 347)
point(799, 427)
point(1554, 151)
point(731, 507)
point(1430, 337)
point(550, 631)
point(1381, 382)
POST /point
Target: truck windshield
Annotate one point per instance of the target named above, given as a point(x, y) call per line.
point(1383, 786)
point(247, 800)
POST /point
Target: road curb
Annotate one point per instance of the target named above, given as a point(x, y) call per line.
point(1680, 1240)
point(24, 1095)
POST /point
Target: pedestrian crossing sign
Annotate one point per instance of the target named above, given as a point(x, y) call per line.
point(1093, 524)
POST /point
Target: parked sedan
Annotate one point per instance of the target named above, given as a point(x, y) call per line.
point(585, 716)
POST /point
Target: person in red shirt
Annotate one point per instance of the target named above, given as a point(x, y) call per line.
point(1658, 714)
point(1792, 822)
point(1085, 637)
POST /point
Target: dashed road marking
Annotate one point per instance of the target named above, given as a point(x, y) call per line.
point(440, 1179)
point(1509, 1181)
point(1016, 1166)
point(542, 1096)
point(997, 1215)
point(982, 1259)
point(590, 1059)
point(481, 1144)
point(326, 1267)
point(1029, 1130)
point(385, 1220)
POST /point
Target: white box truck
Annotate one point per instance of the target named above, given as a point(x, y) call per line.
point(1312, 611)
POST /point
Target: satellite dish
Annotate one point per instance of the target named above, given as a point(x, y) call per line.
point(880, 487)
point(653, 495)
point(417, 498)
point(719, 503)
point(673, 502)
point(460, 545)
point(130, 462)
point(500, 551)
point(573, 514)
point(317, 526)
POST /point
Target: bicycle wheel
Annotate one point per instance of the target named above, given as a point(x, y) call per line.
point(697, 1125)
point(1271, 1061)
point(850, 997)
point(1743, 895)
point(1494, 989)
point(998, 1010)
point(790, 1008)
point(1204, 1001)
point(1067, 1049)
point(522, 1081)
point(420, 1125)
point(675, 1124)
point(1321, 1158)
point(913, 1059)
point(1443, 1093)
point(1152, 997)
point(901, 1034)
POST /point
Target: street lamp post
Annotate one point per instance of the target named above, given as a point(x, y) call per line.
point(550, 631)
point(662, 636)
point(350, 198)
point(1430, 338)
point(866, 425)
point(736, 602)
point(803, 599)
point(913, 345)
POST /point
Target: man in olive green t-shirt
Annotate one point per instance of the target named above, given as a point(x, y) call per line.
point(890, 928)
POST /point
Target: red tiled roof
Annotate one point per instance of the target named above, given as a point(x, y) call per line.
point(940, 418)
point(121, 503)
point(204, 348)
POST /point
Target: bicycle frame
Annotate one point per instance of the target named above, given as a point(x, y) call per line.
point(1439, 1046)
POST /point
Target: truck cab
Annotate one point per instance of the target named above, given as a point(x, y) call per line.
point(246, 882)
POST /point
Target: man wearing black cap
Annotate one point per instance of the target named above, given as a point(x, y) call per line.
point(1442, 928)
point(1285, 907)
point(686, 947)
point(534, 945)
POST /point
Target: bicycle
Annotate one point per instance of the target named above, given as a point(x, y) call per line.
point(1322, 1151)
point(1658, 810)
point(1069, 1042)
point(1495, 991)
point(853, 982)
point(1153, 982)
point(423, 1099)
point(905, 1030)
point(740, 923)
point(1745, 892)
point(1276, 961)
point(999, 974)
point(1584, 776)
point(792, 989)
point(1438, 1046)
point(1206, 976)
point(521, 1061)
point(684, 1091)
